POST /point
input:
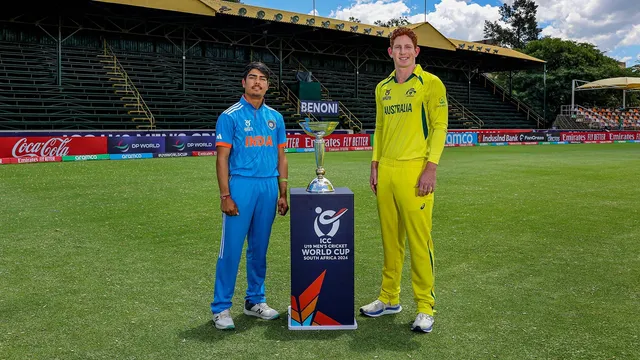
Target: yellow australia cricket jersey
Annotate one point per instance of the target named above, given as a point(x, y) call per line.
point(411, 118)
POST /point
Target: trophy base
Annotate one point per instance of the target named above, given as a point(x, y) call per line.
point(320, 186)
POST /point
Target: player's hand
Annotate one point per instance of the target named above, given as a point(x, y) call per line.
point(373, 180)
point(229, 207)
point(283, 206)
point(427, 182)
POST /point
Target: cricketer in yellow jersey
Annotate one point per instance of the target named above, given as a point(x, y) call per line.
point(411, 128)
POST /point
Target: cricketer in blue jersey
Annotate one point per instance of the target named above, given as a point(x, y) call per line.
point(252, 176)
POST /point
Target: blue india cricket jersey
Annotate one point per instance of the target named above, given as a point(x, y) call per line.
point(254, 136)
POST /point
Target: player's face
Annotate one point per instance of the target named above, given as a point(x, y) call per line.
point(255, 84)
point(403, 52)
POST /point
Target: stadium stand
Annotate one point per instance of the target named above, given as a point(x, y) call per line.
point(188, 88)
point(30, 98)
point(608, 118)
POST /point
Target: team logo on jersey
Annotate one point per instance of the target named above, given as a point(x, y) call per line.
point(325, 218)
point(271, 124)
point(387, 95)
point(247, 126)
point(410, 92)
point(442, 102)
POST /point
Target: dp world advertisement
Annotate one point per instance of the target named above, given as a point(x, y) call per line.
point(136, 145)
point(25, 147)
point(190, 143)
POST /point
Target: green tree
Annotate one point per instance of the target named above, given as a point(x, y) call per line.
point(567, 60)
point(354, 19)
point(521, 28)
point(401, 21)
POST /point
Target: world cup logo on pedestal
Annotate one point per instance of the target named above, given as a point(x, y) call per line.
point(318, 130)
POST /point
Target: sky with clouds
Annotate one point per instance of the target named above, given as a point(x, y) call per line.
point(612, 25)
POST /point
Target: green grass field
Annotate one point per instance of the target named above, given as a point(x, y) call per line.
point(537, 257)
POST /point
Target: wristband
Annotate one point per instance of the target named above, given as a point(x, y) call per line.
point(222, 197)
point(283, 180)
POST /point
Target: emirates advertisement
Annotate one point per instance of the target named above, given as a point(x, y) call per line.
point(334, 142)
point(35, 147)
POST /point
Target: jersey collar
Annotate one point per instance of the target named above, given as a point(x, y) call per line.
point(244, 101)
point(416, 73)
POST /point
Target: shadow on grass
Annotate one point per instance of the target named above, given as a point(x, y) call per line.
point(372, 335)
point(384, 333)
point(207, 332)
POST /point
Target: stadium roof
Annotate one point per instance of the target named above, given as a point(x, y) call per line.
point(428, 36)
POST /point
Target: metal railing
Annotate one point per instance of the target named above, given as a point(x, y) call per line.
point(353, 121)
point(466, 113)
point(288, 94)
point(142, 109)
point(522, 107)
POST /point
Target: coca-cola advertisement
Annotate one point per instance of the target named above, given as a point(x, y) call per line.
point(23, 147)
point(136, 145)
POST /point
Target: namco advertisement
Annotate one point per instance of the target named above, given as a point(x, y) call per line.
point(461, 139)
point(24, 147)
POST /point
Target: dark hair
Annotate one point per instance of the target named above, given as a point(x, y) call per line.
point(258, 66)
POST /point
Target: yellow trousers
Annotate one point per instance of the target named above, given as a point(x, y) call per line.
point(404, 214)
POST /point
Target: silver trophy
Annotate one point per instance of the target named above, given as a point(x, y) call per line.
point(318, 130)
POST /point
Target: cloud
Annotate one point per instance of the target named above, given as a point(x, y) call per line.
point(609, 24)
point(314, 12)
point(623, 59)
point(460, 20)
point(632, 37)
point(454, 18)
point(368, 11)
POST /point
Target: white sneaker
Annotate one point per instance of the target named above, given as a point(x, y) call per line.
point(423, 323)
point(223, 320)
point(261, 310)
point(378, 308)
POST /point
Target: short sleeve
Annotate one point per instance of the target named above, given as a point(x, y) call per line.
point(281, 134)
point(224, 130)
